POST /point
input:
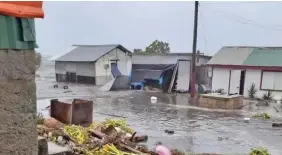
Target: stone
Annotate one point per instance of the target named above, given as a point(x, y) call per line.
point(52, 123)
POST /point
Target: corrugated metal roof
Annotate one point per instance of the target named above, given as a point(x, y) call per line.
point(248, 56)
point(264, 57)
point(230, 56)
point(89, 53)
point(174, 54)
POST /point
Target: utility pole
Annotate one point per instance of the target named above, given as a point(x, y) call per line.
point(193, 76)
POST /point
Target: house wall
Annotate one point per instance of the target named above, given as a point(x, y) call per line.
point(254, 76)
point(220, 79)
point(104, 75)
point(80, 68)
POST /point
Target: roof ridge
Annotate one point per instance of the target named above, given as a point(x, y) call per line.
point(251, 46)
point(89, 45)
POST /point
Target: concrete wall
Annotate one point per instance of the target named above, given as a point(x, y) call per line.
point(124, 65)
point(18, 102)
point(80, 68)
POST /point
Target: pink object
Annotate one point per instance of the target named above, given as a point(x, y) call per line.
point(162, 150)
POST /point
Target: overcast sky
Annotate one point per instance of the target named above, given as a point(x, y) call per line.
point(137, 24)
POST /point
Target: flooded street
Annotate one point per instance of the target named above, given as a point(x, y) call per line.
point(196, 130)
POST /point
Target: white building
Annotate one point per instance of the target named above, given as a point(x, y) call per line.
point(92, 64)
point(234, 69)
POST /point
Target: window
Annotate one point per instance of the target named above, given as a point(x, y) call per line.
point(271, 80)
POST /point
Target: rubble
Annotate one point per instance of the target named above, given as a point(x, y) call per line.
point(107, 137)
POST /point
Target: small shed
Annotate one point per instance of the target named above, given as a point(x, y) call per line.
point(93, 64)
point(236, 68)
point(162, 67)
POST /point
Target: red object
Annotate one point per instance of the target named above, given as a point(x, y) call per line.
point(22, 9)
point(78, 112)
point(268, 68)
point(52, 123)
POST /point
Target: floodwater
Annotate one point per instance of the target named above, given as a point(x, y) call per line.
point(196, 130)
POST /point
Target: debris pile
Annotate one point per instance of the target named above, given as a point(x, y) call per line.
point(100, 138)
point(259, 151)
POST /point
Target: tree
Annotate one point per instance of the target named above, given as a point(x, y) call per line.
point(157, 47)
point(137, 51)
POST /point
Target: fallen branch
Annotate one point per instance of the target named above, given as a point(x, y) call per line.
point(131, 149)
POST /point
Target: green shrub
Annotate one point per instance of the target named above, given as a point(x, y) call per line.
point(267, 95)
point(252, 91)
point(263, 115)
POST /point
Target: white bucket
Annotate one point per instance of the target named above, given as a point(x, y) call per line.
point(247, 119)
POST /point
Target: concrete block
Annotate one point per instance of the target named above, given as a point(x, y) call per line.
point(42, 146)
point(18, 102)
point(55, 149)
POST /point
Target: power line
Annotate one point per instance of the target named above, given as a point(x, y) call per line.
point(228, 3)
point(243, 20)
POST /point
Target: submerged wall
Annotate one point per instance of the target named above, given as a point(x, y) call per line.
point(18, 102)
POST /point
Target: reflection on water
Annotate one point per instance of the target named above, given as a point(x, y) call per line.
point(196, 129)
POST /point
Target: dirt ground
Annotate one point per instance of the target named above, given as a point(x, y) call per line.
point(196, 129)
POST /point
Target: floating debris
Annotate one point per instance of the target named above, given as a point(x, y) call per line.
point(263, 115)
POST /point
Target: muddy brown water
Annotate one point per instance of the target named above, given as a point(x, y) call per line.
point(195, 129)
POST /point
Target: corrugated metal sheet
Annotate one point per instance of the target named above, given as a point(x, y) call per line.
point(264, 57)
point(156, 59)
point(17, 33)
point(171, 58)
point(248, 56)
point(231, 56)
point(89, 53)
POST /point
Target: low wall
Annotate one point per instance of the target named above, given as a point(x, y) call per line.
point(220, 102)
point(18, 102)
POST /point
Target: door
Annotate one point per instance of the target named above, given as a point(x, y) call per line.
point(114, 69)
point(183, 78)
point(235, 76)
point(71, 77)
point(242, 82)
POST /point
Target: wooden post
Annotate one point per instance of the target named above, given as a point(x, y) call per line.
point(193, 75)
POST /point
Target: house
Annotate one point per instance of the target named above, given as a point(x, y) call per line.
point(235, 69)
point(160, 69)
point(93, 64)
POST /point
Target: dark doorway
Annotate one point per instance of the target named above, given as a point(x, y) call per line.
point(242, 82)
point(71, 77)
